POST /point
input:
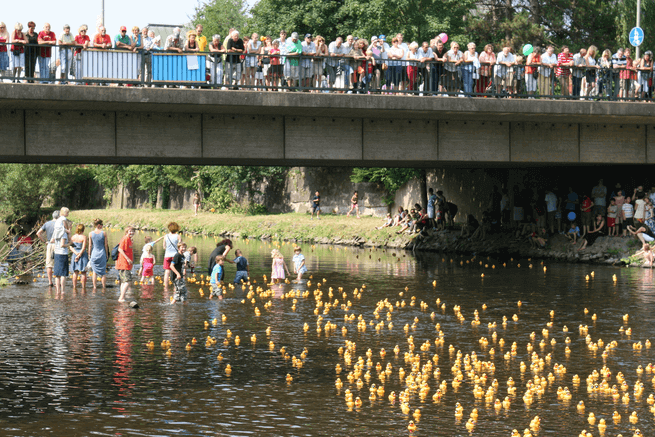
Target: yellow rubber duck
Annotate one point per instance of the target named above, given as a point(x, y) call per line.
point(411, 427)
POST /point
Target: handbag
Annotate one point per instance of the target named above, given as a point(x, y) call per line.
point(266, 61)
point(16, 52)
point(535, 73)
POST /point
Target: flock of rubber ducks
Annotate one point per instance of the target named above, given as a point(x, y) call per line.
point(420, 379)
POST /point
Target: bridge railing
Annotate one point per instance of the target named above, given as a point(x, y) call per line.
point(25, 63)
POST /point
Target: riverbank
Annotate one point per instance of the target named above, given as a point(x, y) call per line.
point(350, 231)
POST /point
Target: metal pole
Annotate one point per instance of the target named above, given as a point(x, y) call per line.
point(638, 23)
point(103, 13)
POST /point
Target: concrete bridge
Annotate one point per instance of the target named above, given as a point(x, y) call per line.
point(91, 124)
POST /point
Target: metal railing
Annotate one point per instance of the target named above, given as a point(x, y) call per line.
point(343, 74)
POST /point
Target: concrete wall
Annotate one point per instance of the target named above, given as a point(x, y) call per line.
point(160, 126)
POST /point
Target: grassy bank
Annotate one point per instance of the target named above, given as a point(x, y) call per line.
point(278, 226)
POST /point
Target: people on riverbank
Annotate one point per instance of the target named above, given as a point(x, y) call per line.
point(316, 206)
point(354, 204)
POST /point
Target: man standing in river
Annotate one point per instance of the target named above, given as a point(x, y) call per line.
point(48, 228)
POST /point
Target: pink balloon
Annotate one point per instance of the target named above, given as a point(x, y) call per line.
point(443, 37)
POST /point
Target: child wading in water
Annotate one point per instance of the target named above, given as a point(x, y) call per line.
point(217, 276)
point(243, 271)
point(147, 264)
point(299, 266)
point(279, 267)
point(191, 258)
point(178, 267)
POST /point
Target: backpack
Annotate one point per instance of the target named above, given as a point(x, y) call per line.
point(114, 253)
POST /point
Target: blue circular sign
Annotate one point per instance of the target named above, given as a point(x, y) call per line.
point(636, 36)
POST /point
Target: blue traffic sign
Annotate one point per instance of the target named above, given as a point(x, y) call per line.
point(636, 36)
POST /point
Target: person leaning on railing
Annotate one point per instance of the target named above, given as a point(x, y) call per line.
point(18, 50)
point(591, 68)
point(546, 71)
point(504, 61)
point(216, 60)
point(437, 69)
point(122, 41)
point(82, 41)
point(644, 74)
point(101, 40)
point(564, 60)
point(32, 39)
point(532, 71)
point(307, 62)
point(66, 42)
point(174, 43)
point(487, 58)
point(235, 48)
point(322, 53)
point(470, 65)
point(578, 72)
point(4, 53)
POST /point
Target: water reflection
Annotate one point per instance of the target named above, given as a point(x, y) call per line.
point(85, 355)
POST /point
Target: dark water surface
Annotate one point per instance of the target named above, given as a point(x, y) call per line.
point(78, 364)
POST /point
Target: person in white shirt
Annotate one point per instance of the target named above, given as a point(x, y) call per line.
point(337, 51)
point(306, 67)
point(504, 61)
point(546, 71)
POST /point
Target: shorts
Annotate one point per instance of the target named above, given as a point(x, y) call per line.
point(18, 61)
point(586, 218)
point(217, 290)
point(306, 71)
point(167, 262)
point(180, 290)
point(316, 208)
point(628, 221)
point(317, 69)
point(293, 73)
point(354, 205)
point(611, 222)
point(241, 275)
point(125, 276)
point(275, 70)
point(551, 217)
point(50, 256)
point(60, 265)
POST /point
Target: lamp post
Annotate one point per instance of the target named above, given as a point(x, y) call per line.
point(638, 24)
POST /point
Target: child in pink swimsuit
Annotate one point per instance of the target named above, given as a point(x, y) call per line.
point(279, 266)
point(147, 264)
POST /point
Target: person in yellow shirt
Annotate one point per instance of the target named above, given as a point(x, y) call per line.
point(201, 39)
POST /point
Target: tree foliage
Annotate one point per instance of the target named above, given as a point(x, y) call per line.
point(25, 187)
point(391, 178)
point(218, 16)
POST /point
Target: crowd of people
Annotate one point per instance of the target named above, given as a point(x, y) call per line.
point(68, 251)
point(582, 217)
point(379, 64)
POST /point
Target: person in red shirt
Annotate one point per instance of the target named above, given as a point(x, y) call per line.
point(125, 261)
point(587, 219)
point(102, 40)
point(564, 59)
point(82, 41)
point(47, 39)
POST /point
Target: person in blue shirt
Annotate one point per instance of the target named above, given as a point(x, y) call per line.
point(574, 233)
point(216, 277)
point(243, 271)
point(299, 266)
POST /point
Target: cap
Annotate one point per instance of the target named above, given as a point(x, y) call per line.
point(308, 35)
point(123, 28)
point(294, 35)
point(66, 26)
point(382, 37)
point(374, 38)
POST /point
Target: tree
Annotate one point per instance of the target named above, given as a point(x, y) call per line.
point(391, 178)
point(24, 187)
point(418, 20)
point(219, 16)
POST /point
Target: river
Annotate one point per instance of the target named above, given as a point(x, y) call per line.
point(79, 364)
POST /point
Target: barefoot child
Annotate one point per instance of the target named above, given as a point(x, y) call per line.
point(243, 269)
point(279, 266)
point(574, 233)
point(216, 277)
point(178, 267)
point(299, 266)
point(147, 264)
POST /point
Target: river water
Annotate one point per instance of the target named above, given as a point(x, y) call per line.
point(79, 364)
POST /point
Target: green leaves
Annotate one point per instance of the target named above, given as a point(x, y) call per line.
point(391, 178)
